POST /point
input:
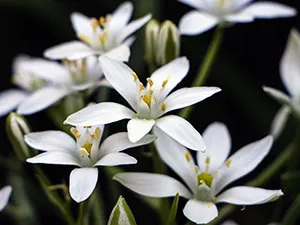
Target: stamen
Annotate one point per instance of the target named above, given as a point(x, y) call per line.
point(165, 82)
point(83, 152)
point(75, 132)
point(98, 132)
point(84, 38)
point(243, 208)
point(188, 156)
point(87, 126)
point(163, 106)
point(196, 169)
point(135, 77)
point(142, 86)
point(102, 21)
point(228, 162)
point(88, 147)
point(150, 82)
point(95, 24)
point(207, 162)
point(84, 67)
point(208, 205)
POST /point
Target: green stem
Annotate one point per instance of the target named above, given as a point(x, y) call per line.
point(206, 65)
point(98, 207)
point(292, 214)
point(261, 179)
point(54, 197)
point(83, 214)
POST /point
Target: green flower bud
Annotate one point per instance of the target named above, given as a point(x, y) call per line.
point(16, 128)
point(168, 43)
point(152, 31)
point(121, 214)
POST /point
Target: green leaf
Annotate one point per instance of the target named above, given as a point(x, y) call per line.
point(121, 214)
point(173, 212)
point(291, 183)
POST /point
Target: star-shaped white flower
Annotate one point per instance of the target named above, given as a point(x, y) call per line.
point(5, 193)
point(85, 153)
point(290, 76)
point(45, 82)
point(109, 35)
point(206, 181)
point(150, 103)
point(210, 13)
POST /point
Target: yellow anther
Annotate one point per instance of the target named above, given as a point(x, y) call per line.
point(188, 156)
point(165, 82)
point(102, 39)
point(75, 132)
point(87, 126)
point(201, 182)
point(163, 106)
point(93, 135)
point(102, 21)
point(147, 98)
point(87, 146)
point(150, 82)
point(135, 77)
point(83, 152)
point(84, 38)
point(228, 162)
point(95, 24)
point(142, 86)
point(243, 208)
point(208, 205)
point(98, 132)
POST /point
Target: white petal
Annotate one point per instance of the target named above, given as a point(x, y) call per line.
point(240, 17)
point(188, 96)
point(5, 193)
point(200, 212)
point(116, 159)
point(229, 222)
point(129, 41)
point(174, 72)
point(279, 121)
point(55, 157)
point(278, 95)
point(138, 128)
point(10, 99)
point(120, 53)
point(174, 155)
point(119, 75)
point(71, 50)
point(218, 142)
point(198, 4)
point(51, 141)
point(42, 99)
point(120, 17)
point(194, 23)
point(241, 163)
point(119, 142)
point(182, 131)
point(152, 185)
point(289, 65)
point(82, 183)
point(102, 113)
point(82, 24)
point(269, 10)
point(132, 27)
point(248, 195)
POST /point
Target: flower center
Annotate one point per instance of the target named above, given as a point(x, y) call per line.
point(28, 81)
point(205, 178)
point(78, 70)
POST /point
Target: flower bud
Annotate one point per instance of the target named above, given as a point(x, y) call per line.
point(121, 214)
point(17, 127)
point(168, 43)
point(152, 31)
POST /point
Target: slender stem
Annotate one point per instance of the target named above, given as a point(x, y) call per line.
point(292, 214)
point(82, 217)
point(261, 179)
point(206, 65)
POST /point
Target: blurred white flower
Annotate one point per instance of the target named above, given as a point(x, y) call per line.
point(205, 181)
point(210, 13)
point(45, 82)
point(85, 153)
point(290, 76)
point(5, 193)
point(109, 35)
point(150, 103)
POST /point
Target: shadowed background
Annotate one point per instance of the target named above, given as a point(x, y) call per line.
point(249, 58)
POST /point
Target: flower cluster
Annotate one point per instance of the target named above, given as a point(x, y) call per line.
point(72, 72)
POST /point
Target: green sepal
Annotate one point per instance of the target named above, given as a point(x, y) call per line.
point(173, 212)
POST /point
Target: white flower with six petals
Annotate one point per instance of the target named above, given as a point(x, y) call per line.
point(85, 153)
point(150, 103)
point(205, 181)
point(210, 13)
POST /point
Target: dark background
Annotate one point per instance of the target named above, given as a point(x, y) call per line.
point(249, 59)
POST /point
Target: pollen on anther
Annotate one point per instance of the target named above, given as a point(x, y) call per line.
point(150, 82)
point(228, 162)
point(75, 132)
point(188, 156)
point(163, 106)
point(165, 82)
point(135, 77)
point(142, 87)
point(95, 24)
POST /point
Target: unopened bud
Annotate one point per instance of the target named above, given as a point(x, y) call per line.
point(152, 31)
point(168, 43)
point(17, 127)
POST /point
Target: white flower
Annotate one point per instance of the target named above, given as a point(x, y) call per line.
point(109, 35)
point(290, 76)
point(85, 153)
point(5, 193)
point(209, 13)
point(45, 82)
point(150, 103)
point(205, 181)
